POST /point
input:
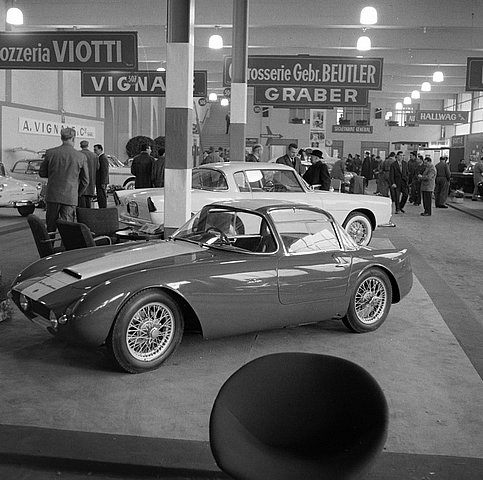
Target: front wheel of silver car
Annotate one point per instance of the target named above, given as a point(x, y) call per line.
point(146, 331)
point(370, 302)
point(359, 227)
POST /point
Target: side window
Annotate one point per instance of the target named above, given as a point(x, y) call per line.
point(241, 182)
point(207, 179)
point(306, 231)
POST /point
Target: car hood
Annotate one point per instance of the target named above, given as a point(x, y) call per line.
point(103, 263)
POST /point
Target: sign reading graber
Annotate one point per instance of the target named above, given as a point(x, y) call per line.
point(69, 50)
point(43, 127)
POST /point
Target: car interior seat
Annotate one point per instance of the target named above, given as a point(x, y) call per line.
point(47, 244)
point(101, 221)
point(78, 235)
point(292, 416)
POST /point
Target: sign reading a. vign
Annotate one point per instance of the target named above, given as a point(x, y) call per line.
point(135, 84)
point(69, 50)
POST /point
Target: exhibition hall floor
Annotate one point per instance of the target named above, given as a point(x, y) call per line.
point(67, 412)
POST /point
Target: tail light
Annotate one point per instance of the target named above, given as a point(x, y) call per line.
point(151, 206)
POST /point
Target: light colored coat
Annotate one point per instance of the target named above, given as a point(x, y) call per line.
point(67, 173)
point(428, 178)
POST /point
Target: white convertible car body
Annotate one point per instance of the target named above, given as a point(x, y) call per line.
point(215, 182)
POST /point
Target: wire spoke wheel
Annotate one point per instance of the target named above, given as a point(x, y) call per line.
point(370, 300)
point(146, 332)
point(150, 331)
point(358, 226)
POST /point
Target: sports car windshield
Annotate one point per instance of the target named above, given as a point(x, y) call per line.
point(254, 180)
point(225, 228)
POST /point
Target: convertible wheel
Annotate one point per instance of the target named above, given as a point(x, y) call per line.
point(370, 302)
point(359, 227)
point(26, 210)
point(146, 332)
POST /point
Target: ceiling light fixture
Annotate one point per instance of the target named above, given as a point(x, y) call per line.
point(399, 106)
point(407, 101)
point(415, 95)
point(212, 97)
point(216, 41)
point(224, 102)
point(363, 43)
point(14, 16)
point(425, 87)
point(438, 76)
point(368, 16)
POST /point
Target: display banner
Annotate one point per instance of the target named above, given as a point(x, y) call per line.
point(438, 117)
point(310, 71)
point(80, 50)
point(352, 128)
point(135, 84)
point(44, 127)
point(310, 97)
point(474, 73)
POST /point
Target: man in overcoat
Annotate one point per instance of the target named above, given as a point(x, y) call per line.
point(398, 180)
point(68, 177)
point(102, 177)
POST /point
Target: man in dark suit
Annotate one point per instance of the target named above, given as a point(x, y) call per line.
point(68, 174)
point(291, 159)
point(142, 167)
point(318, 173)
point(102, 177)
point(85, 199)
point(398, 180)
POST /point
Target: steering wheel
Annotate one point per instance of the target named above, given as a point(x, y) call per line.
point(223, 236)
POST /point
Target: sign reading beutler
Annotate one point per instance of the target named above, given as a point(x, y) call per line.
point(79, 50)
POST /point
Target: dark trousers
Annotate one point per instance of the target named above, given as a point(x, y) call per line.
point(85, 201)
point(56, 211)
point(101, 192)
point(441, 189)
point(399, 196)
point(427, 198)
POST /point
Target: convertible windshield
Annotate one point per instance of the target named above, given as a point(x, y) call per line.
point(237, 230)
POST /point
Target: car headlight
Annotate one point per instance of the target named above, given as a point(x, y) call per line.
point(151, 206)
point(39, 186)
point(53, 319)
point(24, 302)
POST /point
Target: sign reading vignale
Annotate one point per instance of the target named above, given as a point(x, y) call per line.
point(69, 50)
point(439, 117)
point(310, 71)
point(43, 127)
point(310, 97)
point(135, 84)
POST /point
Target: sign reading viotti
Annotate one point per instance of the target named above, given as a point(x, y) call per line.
point(69, 50)
point(310, 71)
point(135, 84)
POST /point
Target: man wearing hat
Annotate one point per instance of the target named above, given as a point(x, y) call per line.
point(68, 178)
point(318, 172)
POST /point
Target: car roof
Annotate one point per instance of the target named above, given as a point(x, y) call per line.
point(236, 166)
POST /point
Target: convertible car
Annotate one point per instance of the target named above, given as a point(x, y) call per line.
point(234, 267)
point(358, 214)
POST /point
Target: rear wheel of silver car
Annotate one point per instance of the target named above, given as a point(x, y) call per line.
point(26, 210)
point(130, 184)
point(370, 302)
point(146, 332)
point(359, 227)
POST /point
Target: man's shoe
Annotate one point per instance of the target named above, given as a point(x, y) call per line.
point(474, 199)
point(396, 212)
point(444, 206)
point(402, 211)
point(424, 214)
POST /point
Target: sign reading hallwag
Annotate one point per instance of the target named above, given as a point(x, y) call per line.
point(78, 50)
point(135, 84)
point(310, 71)
point(438, 117)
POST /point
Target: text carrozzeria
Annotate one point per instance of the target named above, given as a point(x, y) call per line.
point(66, 51)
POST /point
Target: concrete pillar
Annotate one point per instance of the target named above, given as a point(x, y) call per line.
point(239, 80)
point(179, 111)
